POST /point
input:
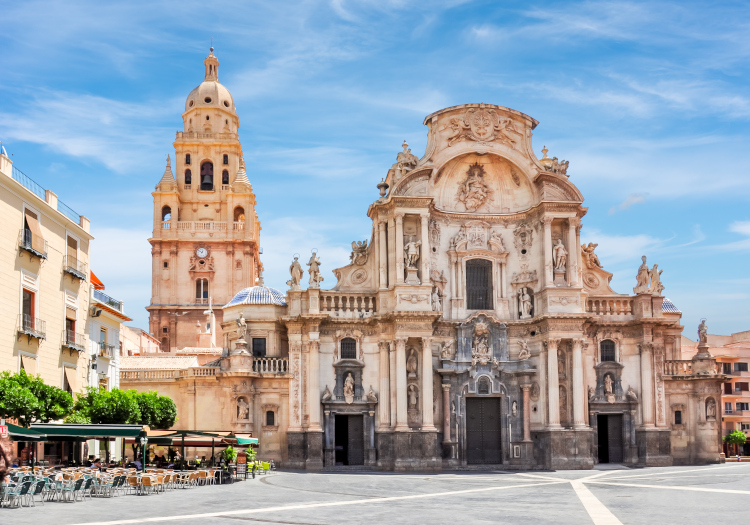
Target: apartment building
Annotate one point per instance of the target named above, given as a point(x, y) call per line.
point(136, 341)
point(44, 264)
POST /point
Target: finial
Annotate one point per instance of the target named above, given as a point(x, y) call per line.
point(242, 161)
point(405, 146)
point(545, 150)
point(169, 162)
point(260, 278)
point(383, 187)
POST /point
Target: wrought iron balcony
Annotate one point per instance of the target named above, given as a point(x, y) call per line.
point(73, 341)
point(31, 326)
point(109, 301)
point(32, 243)
point(106, 350)
point(75, 267)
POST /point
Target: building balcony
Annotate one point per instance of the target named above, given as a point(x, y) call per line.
point(109, 301)
point(74, 267)
point(31, 326)
point(73, 341)
point(215, 229)
point(347, 305)
point(621, 308)
point(32, 243)
point(107, 351)
point(270, 365)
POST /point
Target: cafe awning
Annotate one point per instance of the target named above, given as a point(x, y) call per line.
point(17, 433)
point(246, 440)
point(67, 431)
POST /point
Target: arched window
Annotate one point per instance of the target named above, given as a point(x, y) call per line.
point(270, 418)
point(239, 214)
point(201, 289)
point(348, 348)
point(166, 213)
point(226, 159)
point(479, 284)
point(207, 176)
point(608, 350)
point(188, 177)
point(225, 177)
point(187, 155)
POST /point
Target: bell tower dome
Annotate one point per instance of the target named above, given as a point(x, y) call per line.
point(205, 243)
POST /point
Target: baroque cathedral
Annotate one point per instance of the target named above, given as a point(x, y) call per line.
point(472, 328)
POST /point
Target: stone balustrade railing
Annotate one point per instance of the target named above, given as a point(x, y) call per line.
point(270, 365)
point(347, 305)
point(147, 375)
point(198, 372)
point(681, 367)
point(610, 306)
point(172, 228)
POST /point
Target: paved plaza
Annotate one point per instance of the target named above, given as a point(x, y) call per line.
point(709, 494)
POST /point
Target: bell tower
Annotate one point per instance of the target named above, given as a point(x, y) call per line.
point(205, 241)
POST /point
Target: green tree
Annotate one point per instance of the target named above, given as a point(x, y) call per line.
point(117, 407)
point(27, 399)
point(735, 438)
point(156, 411)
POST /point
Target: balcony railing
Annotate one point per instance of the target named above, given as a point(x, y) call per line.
point(166, 225)
point(196, 135)
point(75, 267)
point(610, 306)
point(106, 350)
point(40, 192)
point(270, 365)
point(73, 341)
point(187, 186)
point(31, 326)
point(238, 226)
point(678, 368)
point(212, 228)
point(347, 305)
point(32, 243)
point(201, 301)
point(106, 299)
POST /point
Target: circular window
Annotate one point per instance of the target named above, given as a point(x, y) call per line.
point(226, 104)
point(207, 100)
point(523, 252)
point(191, 103)
point(533, 334)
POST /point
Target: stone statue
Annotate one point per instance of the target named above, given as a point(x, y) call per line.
point(525, 353)
point(406, 159)
point(473, 191)
point(327, 396)
point(243, 409)
point(411, 253)
point(359, 253)
point(296, 272)
point(413, 396)
point(641, 285)
point(411, 363)
point(447, 351)
point(591, 393)
point(560, 255)
point(241, 328)
point(592, 260)
point(314, 271)
point(349, 388)
point(371, 397)
point(710, 409)
point(514, 409)
point(631, 394)
point(524, 302)
point(656, 286)
point(703, 332)
point(608, 384)
point(436, 304)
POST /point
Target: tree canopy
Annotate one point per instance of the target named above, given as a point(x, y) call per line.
point(27, 399)
point(735, 438)
point(124, 407)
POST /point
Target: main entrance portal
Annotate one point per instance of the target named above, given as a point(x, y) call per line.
point(610, 438)
point(349, 440)
point(483, 438)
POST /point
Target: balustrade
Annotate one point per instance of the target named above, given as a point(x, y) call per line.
point(347, 305)
point(678, 367)
point(270, 365)
point(610, 306)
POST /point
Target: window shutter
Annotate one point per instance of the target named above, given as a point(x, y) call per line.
point(37, 239)
point(478, 284)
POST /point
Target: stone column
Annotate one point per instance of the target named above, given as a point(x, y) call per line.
point(647, 386)
point(553, 386)
point(173, 276)
point(392, 382)
point(384, 405)
point(424, 220)
point(295, 399)
point(526, 413)
point(427, 380)
point(313, 387)
point(547, 252)
point(391, 243)
point(402, 421)
point(383, 258)
point(399, 240)
point(579, 420)
point(446, 412)
point(156, 266)
point(572, 252)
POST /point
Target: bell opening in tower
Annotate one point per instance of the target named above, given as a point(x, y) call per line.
point(207, 176)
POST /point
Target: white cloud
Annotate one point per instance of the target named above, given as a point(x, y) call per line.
point(616, 249)
point(741, 227)
point(630, 200)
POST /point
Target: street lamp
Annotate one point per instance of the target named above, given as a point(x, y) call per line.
point(144, 442)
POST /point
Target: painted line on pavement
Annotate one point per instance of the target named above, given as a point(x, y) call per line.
point(598, 513)
point(312, 505)
point(667, 487)
point(679, 473)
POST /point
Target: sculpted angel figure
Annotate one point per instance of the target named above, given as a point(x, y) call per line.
point(641, 285)
point(592, 260)
point(359, 252)
point(314, 271)
point(656, 286)
point(560, 255)
point(411, 253)
point(525, 353)
point(447, 351)
point(295, 270)
point(326, 395)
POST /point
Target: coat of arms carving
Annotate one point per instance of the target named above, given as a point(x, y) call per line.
point(482, 125)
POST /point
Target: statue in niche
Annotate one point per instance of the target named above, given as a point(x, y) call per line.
point(631, 394)
point(642, 278)
point(524, 302)
point(608, 384)
point(656, 286)
point(563, 404)
point(703, 332)
point(359, 253)
point(413, 396)
point(496, 242)
point(314, 271)
point(411, 253)
point(592, 260)
point(295, 270)
point(514, 409)
point(560, 254)
point(243, 409)
point(436, 304)
point(481, 353)
point(535, 391)
point(525, 353)
point(349, 389)
point(371, 397)
point(710, 409)
point(561, 373)
point(434, 232)
point(327, 396)
point(446, 352)
point(473, 191)
point(411, 364)
point(241, 328)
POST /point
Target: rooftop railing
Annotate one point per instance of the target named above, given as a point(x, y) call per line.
point(109, 301)
point(28, 183)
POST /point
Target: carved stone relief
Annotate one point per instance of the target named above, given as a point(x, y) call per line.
point(482, 125)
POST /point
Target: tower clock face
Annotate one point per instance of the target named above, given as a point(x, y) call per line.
point(201, 252)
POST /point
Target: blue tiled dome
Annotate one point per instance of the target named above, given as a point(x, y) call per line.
point(258, 295)
point(669, 307)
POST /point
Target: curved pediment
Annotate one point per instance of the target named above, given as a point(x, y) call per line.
point(556, 188)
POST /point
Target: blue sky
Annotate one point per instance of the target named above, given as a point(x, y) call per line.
point(648, 101)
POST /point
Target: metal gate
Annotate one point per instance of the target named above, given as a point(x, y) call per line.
point(483, 438)
point(614, 438)
point(355, 441)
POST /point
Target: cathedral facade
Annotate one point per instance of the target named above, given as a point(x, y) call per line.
point(472, 328)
